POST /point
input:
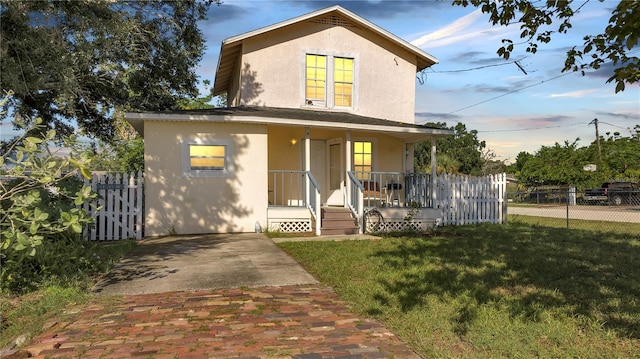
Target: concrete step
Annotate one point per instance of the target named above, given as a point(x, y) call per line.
point(338, 231)
point(336, 213)
point(338, 223)
point(338, 220)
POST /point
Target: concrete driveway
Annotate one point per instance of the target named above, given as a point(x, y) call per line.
point(202, 262)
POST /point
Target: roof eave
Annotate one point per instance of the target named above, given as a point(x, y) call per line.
point(137, 120)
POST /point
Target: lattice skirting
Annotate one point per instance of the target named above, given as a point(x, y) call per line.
point(291, 226)
point(399, 226)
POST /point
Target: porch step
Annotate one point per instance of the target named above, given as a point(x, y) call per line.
point(338, 220)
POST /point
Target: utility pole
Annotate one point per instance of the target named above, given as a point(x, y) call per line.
point(595, 122)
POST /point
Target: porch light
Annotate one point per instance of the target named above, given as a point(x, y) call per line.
point(293, 141)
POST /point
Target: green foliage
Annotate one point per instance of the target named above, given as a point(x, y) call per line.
point(614, 44)
point(27, 313)
point(563, 164)
point(460, 153)
point(119, 156)
point(77, 61)
point(41, 219)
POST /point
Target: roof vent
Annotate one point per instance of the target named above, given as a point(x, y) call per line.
point(334, 20)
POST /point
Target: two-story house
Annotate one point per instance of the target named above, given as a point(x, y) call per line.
point(320, 127)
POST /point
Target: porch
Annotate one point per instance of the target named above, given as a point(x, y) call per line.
point(366, 202)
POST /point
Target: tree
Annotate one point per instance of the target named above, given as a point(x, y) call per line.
point(124, 153)
point(73, 63)
point(562, 164)
point(614, 44)
point(460, 153)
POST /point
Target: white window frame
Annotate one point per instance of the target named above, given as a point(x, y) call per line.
point(329, 82)
point(374, 152)
point(187, 171)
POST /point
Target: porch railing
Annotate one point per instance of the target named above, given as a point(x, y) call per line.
point(355, 201)
point(387, 189)
point(392, 189)
point(295, 189)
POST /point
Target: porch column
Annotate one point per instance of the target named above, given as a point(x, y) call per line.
point(347, 165)
point(307, 162)
point(434, 182)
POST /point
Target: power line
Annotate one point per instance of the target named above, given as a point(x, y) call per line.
point(510, 92)
point(536, 128)
point(479, 67)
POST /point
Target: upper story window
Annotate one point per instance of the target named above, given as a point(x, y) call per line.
point(316, 79)
point(342, 81)
point(329, 81)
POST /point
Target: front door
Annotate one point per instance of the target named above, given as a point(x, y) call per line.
point(336, 173)
point(318, 165)
point(327, 166)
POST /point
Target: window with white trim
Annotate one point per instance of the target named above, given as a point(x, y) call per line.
point(329, 81)
point(362, 158)
point(316, 79)
point(208, 158)
point(342, 82)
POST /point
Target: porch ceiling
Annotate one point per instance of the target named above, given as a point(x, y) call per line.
point(293, 117)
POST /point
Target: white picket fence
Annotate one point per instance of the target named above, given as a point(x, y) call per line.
point(117, 211)
point(466, 200)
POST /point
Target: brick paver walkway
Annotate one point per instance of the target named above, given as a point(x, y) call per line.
point(301, 322)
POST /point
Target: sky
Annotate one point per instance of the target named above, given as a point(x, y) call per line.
point(512, 111)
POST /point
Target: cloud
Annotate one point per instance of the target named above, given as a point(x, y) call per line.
point(423, 117)
point(574, 94)
point(451, 33)
point(375, 9)
point(624, 115)
point(225, 12)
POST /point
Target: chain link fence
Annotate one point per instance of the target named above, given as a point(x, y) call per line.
point(565, 207)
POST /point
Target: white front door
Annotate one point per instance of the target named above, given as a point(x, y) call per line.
point(327, 166)
point(336, 172)
point(318, 165)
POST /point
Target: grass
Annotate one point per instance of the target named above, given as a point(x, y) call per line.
point(280, 234)
point(27, 313)
point(517, 290)
point(621, 228)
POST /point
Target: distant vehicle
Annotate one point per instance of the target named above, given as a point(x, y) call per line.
point(616, 193)
point(550, 193)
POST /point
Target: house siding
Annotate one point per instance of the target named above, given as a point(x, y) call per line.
point(191, 205)
point(272, 69)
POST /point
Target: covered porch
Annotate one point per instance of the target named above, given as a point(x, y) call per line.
point(329, 179)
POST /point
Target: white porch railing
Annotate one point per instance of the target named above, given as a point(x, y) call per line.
point(393, 189)
point(388, 190)
point(290, 188)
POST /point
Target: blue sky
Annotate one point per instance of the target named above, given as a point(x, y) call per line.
point(541, 111)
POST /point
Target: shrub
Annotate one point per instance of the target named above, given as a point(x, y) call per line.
point(41, 220)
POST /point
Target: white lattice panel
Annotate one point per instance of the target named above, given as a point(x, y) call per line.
point(295, 226)
point(399, 226)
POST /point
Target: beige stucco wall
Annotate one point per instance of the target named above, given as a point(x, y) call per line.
point(204, 204)
point(272, 69)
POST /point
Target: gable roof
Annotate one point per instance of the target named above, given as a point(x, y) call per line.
point(231, 47)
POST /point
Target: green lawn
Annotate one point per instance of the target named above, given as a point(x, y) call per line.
point(605, 226)
point(517, 290)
